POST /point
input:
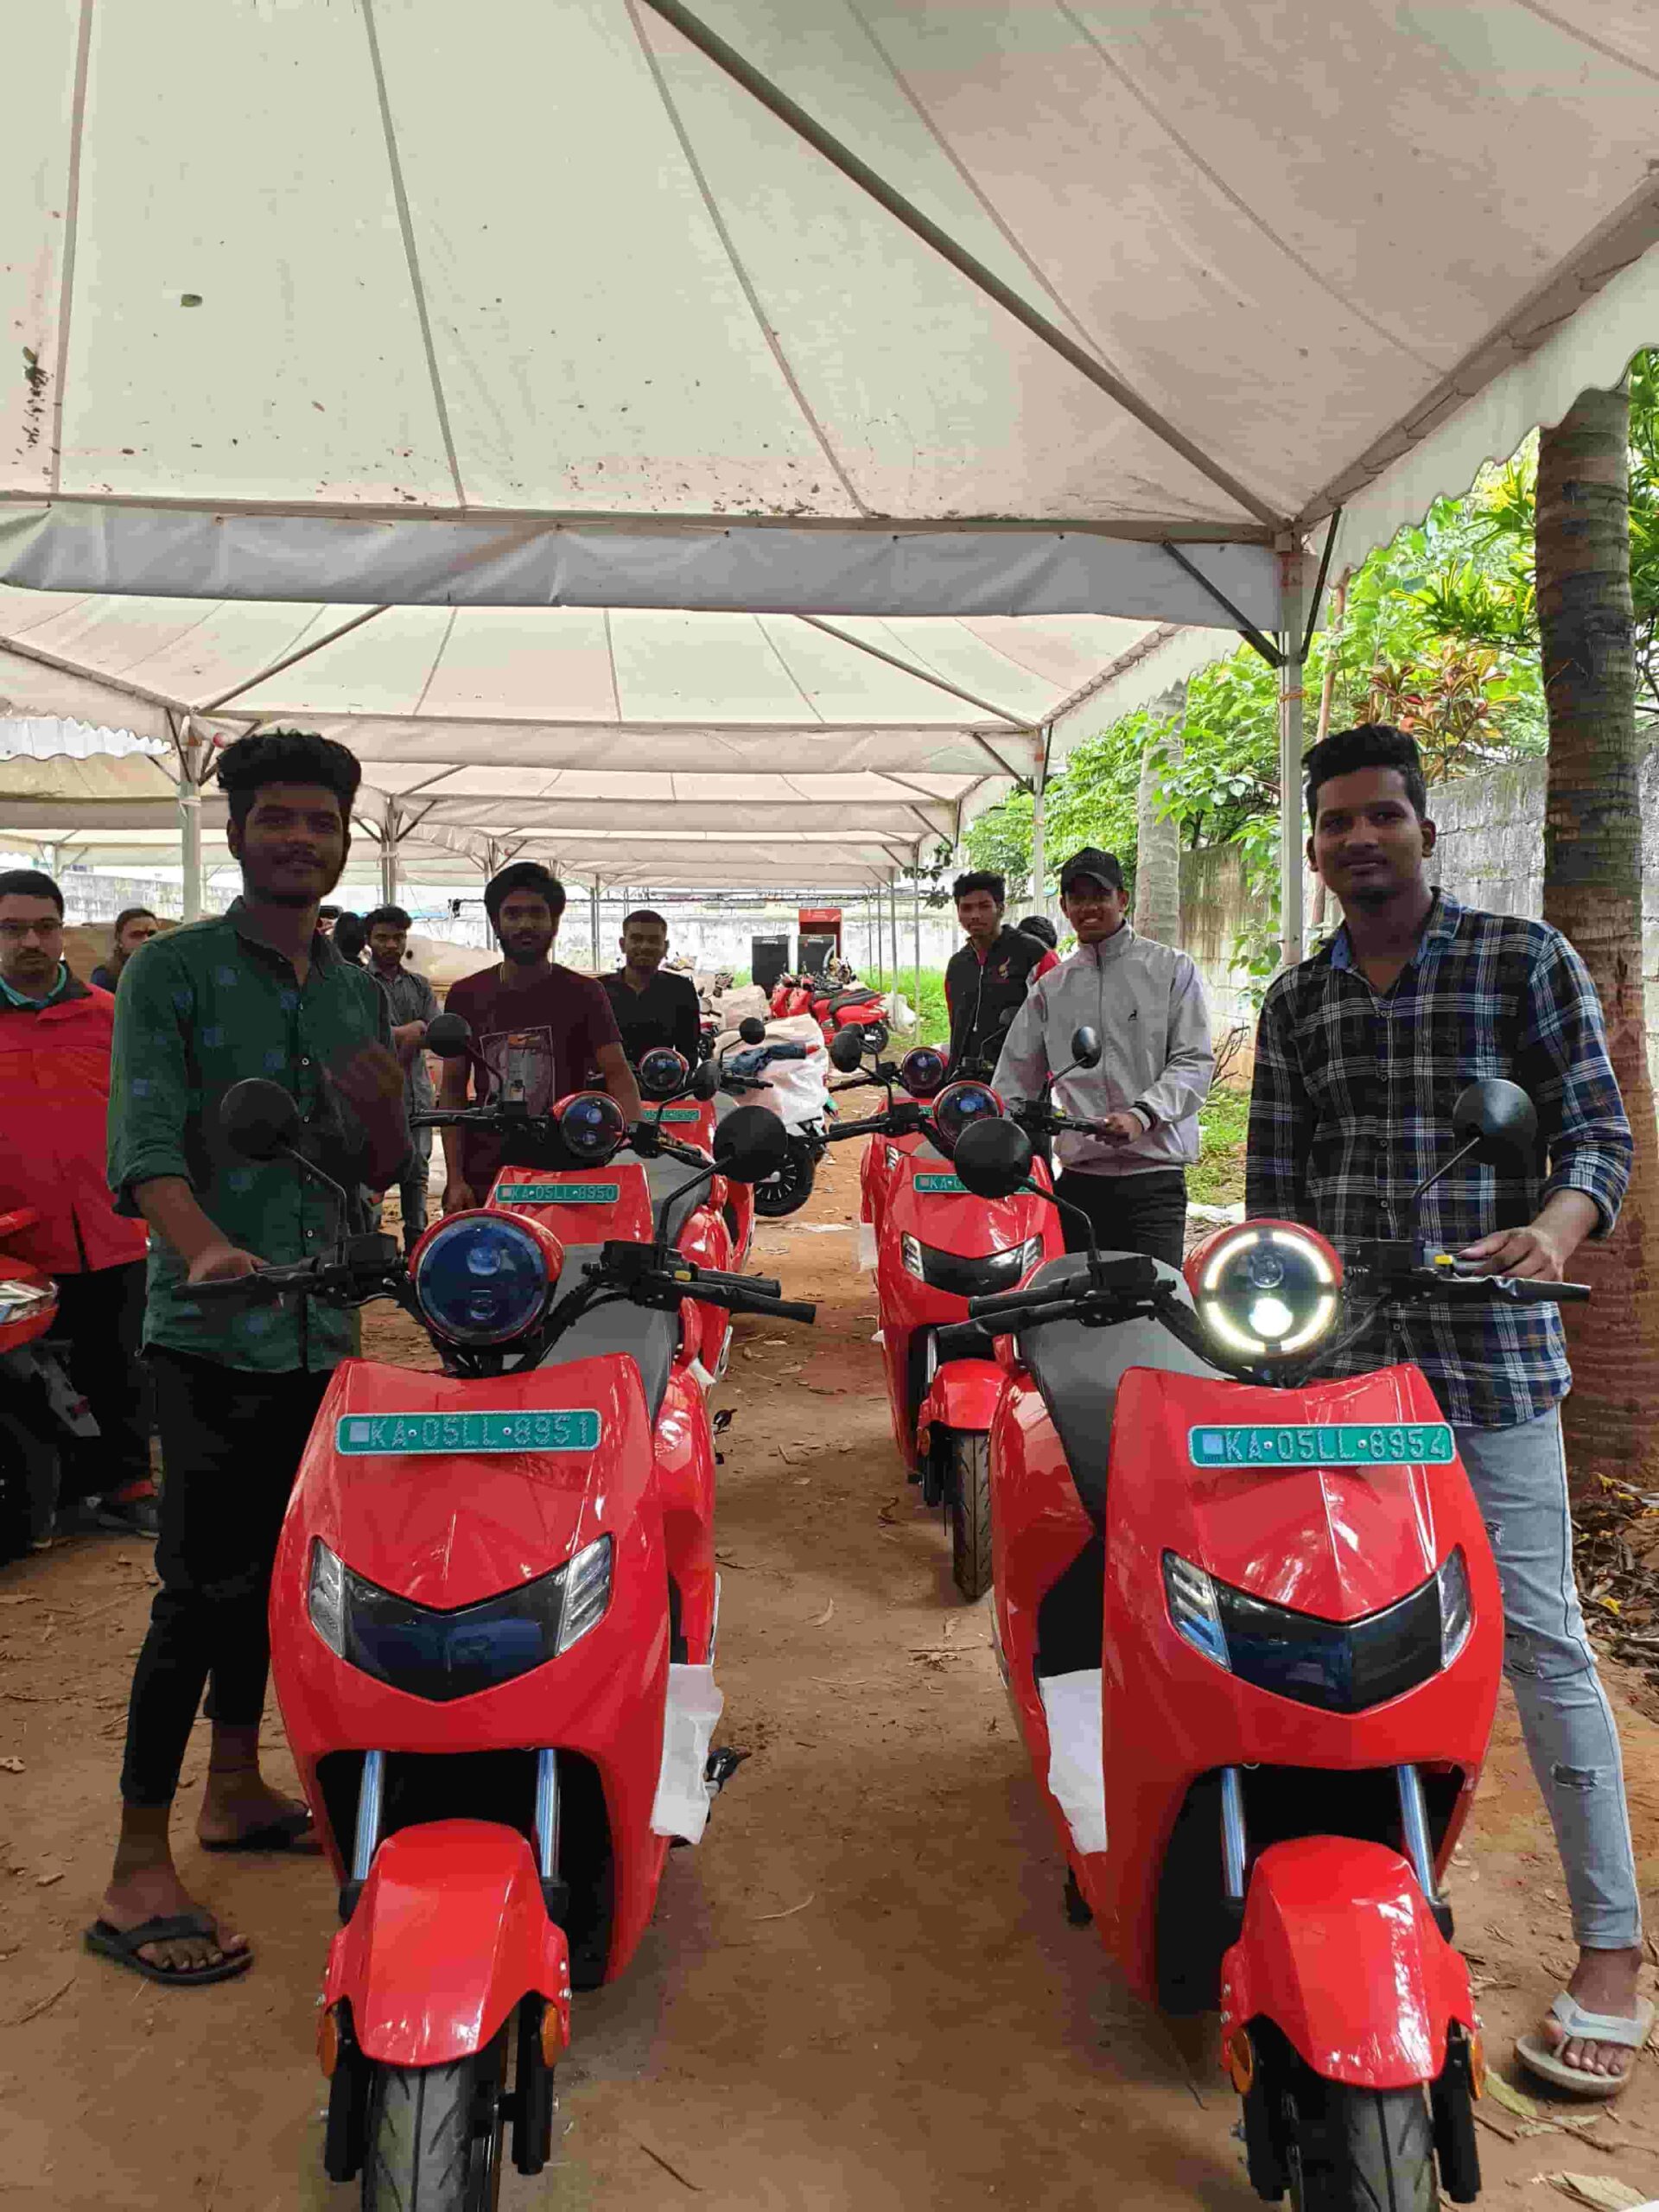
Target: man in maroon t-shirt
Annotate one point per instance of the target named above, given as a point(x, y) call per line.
point(537, 1028)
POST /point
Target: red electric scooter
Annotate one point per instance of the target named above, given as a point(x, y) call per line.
point(1252, 1631)
point(493, 1614)
point(936, 1248)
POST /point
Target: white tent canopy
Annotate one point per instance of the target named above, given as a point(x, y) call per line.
point(869, 309)
point(625, 745)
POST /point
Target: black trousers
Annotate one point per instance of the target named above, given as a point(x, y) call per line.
point(231, 1447)
point(101, 1318)
point(1130, 1213)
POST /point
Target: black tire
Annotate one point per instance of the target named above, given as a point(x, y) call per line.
point(788, 1191)
point(967, 1491)
point(1359, 2150)
point(435, 2137)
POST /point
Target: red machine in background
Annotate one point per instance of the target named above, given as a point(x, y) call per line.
point(39, 1406)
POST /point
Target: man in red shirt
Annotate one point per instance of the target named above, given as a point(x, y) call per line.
point(537, 1028)
point(55, 1093)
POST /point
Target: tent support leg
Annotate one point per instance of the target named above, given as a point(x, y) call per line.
point(1293, 648)
point(916, 933)
point(1039, 848)
point(389, 866)
point(190, 843)
point(593, 923)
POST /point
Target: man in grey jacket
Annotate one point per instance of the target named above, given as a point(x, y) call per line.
point(1146, 1000)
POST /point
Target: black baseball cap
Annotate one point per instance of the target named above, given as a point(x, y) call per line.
point(1103, 867)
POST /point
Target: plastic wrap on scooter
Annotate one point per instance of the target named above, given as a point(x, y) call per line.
point(683, 1792)
point(639, 1333)
point(1076, 1777)
point(866, 1246)
point(1078, 1371)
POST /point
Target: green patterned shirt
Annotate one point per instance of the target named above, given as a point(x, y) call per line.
point(201, 1007)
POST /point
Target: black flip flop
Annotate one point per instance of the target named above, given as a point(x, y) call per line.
point(124, 1945)
point(295, 1832)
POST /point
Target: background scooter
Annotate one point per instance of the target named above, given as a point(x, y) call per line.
point(40, 1408)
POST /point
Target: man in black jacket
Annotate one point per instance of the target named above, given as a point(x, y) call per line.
point(986, 981)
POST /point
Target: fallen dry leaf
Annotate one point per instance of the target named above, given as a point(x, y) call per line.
point(11, 1766)
point(1511, 2098)
point(790, 1912)
point(824, 1615)
point(1600, 2192)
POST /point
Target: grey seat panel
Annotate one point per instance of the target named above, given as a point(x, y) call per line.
point(1078, 1369)
point(648, 1338)
point(725, 1104)
point(662, 1177)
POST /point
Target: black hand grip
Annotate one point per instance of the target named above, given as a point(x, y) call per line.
point(253, 1290)
point(1531, 1290)
point(962, 1340)
point(876, 1125)
point(1016, 1301)
point(778, 1309)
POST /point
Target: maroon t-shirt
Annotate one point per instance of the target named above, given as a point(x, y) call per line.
point(537, 1043)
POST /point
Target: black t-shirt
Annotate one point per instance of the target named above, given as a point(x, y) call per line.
point(667, 1012)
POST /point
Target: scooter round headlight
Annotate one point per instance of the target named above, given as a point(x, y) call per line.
point(484, 1278)
point(922, 1071)
point(957, 1107)
point(1265, 1290)
point(593, 1126)
point(662, 1073)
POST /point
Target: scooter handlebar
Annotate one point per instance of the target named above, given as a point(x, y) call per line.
point(874, 1125)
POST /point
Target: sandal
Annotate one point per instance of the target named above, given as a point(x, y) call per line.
point(1591, 2027)
point(293, 1832)
point(124, 1945)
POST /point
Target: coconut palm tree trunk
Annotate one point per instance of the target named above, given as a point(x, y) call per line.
point(1593, 893)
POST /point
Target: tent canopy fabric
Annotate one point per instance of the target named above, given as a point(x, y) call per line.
point(878, 307)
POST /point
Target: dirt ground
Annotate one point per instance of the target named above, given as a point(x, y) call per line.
point(860, 1990)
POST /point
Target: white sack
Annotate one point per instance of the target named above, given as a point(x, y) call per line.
point(684, 1796)
point(1075, 1772)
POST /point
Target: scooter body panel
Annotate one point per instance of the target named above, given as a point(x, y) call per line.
point(1340, 1951)
point(964, 1394)
point(450, 1934)
point(445, 1526)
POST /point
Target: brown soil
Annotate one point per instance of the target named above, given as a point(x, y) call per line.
point(859, 1992)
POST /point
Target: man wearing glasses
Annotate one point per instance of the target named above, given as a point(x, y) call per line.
point(1147, 1003)
point(54, 1091)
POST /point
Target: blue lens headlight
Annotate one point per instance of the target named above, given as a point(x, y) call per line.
point(482, 1279)
point(963, 1103)
point(592, 1125)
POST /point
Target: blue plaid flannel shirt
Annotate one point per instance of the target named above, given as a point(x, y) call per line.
point(1351, 1108)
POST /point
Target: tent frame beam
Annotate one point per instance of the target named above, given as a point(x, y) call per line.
point(842, 157)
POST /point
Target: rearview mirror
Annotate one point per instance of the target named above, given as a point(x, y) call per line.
point(1085, 1047)
point(750, 1145)
point(260, 1118)
point(846, 1050)
point(993, 1158)
point(1499, 1118)
point(705, 1083)
point(449, 1035)
point(752, 1031)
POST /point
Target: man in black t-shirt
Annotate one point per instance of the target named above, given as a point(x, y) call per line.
point(986, 983)
point(651, 1007)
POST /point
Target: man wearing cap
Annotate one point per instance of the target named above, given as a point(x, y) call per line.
point(1146, 1001)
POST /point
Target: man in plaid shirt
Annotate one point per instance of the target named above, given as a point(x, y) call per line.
point(1360, 1054)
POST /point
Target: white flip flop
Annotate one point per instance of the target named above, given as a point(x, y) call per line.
point(1591, 2027)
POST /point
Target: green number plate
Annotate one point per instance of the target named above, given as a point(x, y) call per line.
point(369, 1435)
point(558, 1194)
point(934, 1186)
point(1327, 1444)
point(675, 1113)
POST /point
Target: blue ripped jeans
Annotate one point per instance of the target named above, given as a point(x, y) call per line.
point(1520, 1480)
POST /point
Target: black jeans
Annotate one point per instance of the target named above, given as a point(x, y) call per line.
point(231, 1447)
point(1130, 1213)
point(101, 1317)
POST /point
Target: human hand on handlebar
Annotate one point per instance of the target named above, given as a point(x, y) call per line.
point(1534, 1254)
point(1120, 1129)
point(221, 1262)
point(458, 1196)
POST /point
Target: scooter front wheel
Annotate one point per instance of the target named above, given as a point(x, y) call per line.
point(1359, 2150)
point(434, 2136)
point(968, 1492)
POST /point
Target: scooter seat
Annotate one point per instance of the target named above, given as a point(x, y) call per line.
point(840, 998)
point(1078, 1370)
point(649, 1338)
point(663, 1179)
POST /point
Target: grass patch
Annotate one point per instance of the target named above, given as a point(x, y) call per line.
point(1223, 1119)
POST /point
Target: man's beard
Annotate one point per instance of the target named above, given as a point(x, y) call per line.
point(527, 956)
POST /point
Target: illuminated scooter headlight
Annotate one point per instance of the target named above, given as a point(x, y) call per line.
point(482, 1278)
point(1267, 1290)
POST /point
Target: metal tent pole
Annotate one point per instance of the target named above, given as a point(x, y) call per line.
point(1039, 850)
point(593, 925)
point(190, 748)
point(1293, 645)
point(916, 932)
point(389, 836)
point(892, 929)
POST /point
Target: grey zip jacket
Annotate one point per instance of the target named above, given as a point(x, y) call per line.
point(1147, 1002)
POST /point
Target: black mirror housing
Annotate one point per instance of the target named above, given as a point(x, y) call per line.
point(750, 1145)
point(1499, 1118)
point(705, 1083)
point(449, 1035)
point(1085, 1047)
point(846, 1050)
point(993, 1158)
point(260, 1118)
point(752, 1029)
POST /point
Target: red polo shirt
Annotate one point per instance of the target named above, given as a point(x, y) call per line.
point(55, 1099)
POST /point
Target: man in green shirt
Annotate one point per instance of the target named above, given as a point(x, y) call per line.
point(258, 991)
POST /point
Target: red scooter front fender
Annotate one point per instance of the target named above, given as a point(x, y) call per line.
point(449, 1933)
point(1341, 1952)
point(963, 1394)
